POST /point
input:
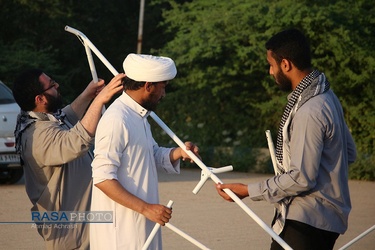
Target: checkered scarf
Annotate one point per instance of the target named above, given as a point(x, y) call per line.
point(26, 118)
point(313, 84)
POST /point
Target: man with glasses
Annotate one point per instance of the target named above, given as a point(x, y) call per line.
point(54, 146)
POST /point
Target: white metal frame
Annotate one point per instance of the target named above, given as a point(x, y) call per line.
point(357, 238)
point(207, 173)
point(175, 229)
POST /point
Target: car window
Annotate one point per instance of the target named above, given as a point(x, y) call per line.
point(6, 95)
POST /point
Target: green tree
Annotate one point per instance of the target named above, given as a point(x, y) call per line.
point(33, 35)
point(222, 96)
point(222, 80)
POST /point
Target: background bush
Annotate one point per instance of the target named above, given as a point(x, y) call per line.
point(223, 96)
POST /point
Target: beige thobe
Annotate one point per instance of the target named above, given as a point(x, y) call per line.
point(57, 166)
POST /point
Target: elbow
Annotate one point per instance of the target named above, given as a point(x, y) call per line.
point(100, 184)
point(302, 181)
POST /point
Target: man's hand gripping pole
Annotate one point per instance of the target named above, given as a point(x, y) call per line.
point(208, 173)
point(88, 47)
point(174, 229)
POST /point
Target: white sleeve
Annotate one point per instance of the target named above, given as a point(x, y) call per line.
point(163, 161)
point(110, 141)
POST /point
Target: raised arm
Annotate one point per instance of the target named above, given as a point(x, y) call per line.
point(103, 95)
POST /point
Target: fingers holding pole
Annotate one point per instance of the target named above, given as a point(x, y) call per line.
point(261, 223)
point(182, 145)
point(173, 228)
point(154, 230)
point(217, 180)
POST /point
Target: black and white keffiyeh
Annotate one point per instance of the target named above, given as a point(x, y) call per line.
point(313, 84)
point(26, 118)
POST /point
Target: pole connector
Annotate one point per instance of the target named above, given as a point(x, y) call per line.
point(207, 174)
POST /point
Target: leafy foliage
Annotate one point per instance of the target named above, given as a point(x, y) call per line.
point(222, 96)
point(33, 35)
point(219, 49)
point(363, 168)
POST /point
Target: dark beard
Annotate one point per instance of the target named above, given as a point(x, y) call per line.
point(150, 104)
point(54, 103)
point(282, 80)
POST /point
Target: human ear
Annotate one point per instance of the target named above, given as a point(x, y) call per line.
point(39, 99)
point(286, 65)
point(148, 86)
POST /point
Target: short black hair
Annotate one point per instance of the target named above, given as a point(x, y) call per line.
point(130, 84)
point(26, 87)
point(292, 45)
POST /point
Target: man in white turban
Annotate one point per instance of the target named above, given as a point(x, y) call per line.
point(127, 159)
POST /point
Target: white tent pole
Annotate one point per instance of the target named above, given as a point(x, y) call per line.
point(272, 151)
point(173, 228)
point(91, 64)
point(82, 37)
point(217, 180)
point(186, 236)
point(358, 238)
point(154, 230)
point(92, 68)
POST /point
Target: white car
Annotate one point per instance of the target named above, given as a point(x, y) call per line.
point(11, 170)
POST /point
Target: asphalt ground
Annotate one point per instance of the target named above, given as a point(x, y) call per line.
point(206, 217)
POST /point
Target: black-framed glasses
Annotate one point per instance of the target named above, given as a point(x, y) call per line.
point(53, 84)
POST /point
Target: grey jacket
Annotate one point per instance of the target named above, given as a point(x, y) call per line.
point(321, 148)
point(57, 166)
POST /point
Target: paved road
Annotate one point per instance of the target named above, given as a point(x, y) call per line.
point(206, 216)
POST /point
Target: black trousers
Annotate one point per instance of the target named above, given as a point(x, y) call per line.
point(301, 236)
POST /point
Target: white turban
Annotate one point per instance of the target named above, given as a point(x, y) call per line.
point(148, 68)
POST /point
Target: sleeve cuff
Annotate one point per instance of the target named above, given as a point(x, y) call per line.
point(255, 192)
point(168, 167)
point(104, 172)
